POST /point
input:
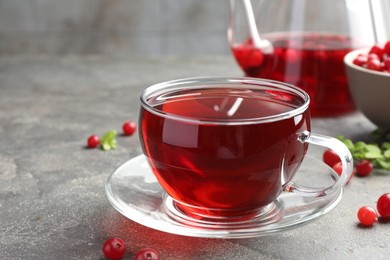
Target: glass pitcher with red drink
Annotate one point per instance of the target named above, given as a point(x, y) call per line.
point(304, 42)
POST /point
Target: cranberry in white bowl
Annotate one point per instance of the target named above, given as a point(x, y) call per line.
point(368, 73)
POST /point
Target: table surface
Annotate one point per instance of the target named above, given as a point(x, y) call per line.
point(52, 198)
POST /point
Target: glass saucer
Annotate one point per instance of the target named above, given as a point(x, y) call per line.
point(134, 191)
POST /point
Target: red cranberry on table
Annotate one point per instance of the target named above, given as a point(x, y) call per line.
point(129, 128)
point(147, 254)
point(383, 206)
point(367, 216)
point(364, 168)
point(114, 248)
point(93, 141)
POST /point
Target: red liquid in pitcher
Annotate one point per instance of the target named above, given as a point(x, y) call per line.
point(225, 170)
point(313, 62)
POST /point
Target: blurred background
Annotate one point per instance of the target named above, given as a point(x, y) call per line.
point(114, 27)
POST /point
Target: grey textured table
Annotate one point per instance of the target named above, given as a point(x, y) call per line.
point(52, 199)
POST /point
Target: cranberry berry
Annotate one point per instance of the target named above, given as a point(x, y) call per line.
point(374, 64)
point(361, 60)
point(114, 248)
point(386, 48)
point(129, 128)
point(386, 63)
point(376, 59)
point(378, 50)
point(367, 216)
point(383, 206)
point(93, 141)
point(364, 168)
point(330, 157)
point(147, 254)
point(338, 168)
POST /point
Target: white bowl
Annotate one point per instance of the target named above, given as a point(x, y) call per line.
point(370, 90)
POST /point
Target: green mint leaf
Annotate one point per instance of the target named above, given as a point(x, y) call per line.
point(359, 150)
point(378, 154)
point(108, 136)
point(359, 156)
point(386, 153)
point(360, 145)
point(113, 144)
point(348, 143)
point(372, 155)
point(108, 140)
point(372, 148)
point(383, 164)
point(373, 152)
point(106, 147)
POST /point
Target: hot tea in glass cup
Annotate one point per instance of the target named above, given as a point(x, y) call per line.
point(224, 149)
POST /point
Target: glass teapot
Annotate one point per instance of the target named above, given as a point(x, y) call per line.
point(303, 42)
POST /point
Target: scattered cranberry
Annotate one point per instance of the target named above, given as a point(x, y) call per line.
point(128, 128)
point(367, 216)
point(93, 141)
point(383, 206)
point(364, 168)
point(147, 254)
point(338, 168)
point(330, 157)
point(114, 248)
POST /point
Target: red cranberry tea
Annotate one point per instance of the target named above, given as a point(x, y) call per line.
point(313, 62)
point(208, 151)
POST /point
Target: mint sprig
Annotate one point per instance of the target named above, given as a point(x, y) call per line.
point(108, 141)
point(378, 154)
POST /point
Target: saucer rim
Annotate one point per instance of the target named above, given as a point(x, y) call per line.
point(180, 229)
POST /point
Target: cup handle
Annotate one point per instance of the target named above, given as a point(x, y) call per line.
point(345, 157)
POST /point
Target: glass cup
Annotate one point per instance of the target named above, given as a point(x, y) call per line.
point(224, 149)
